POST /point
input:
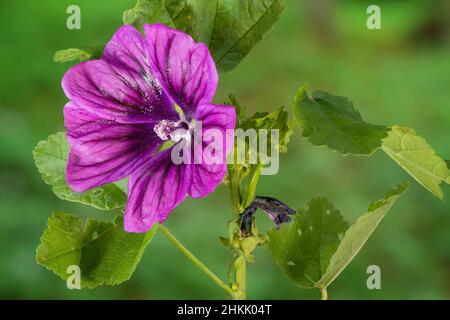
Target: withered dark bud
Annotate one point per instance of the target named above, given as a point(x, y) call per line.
point(277, 211)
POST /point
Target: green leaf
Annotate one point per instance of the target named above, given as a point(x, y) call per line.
point(417, 158)
point(51, 160)
point(260, 126)
point(332, 121)
point(240, 110)
point(77, 54)
point(317, 245)
point(357, 235)
point(303, 248)
point(168, 12)
point(230, 28)
point(448, 165)
point(278, 119)
point(104, 252)
point(249, 164)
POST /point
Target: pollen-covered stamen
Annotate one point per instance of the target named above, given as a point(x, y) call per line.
point(173, 130)
point(164, 128)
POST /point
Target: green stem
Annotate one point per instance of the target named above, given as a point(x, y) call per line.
point(324, 293)
point(238, 268)
point(194, 260)
point(237, 275)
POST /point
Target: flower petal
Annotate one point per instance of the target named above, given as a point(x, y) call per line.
point(154, 191)
point(185, 69)
point(218, 123)
point(103, 151)
point(128, 51)
point(218, 116)
point(119, 87)
point(128, 54)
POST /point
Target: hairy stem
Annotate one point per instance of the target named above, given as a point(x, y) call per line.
point(194, 260)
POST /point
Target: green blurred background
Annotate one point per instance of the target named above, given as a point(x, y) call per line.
point(397, 75)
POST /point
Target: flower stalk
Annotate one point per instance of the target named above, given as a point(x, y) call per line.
point(195, 260)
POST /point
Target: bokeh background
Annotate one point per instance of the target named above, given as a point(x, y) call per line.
point(397, 75)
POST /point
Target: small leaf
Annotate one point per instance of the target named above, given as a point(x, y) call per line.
point(104, 252)
point(303, 248)
point(254, 134)
point(51, 160)
point(357, 235)
point(240, 110)
point(316, 246)
point(254, 153)
point(278, 119)
point(416, 157)
point(77, 54)
point(332, 121)
point(230, 28)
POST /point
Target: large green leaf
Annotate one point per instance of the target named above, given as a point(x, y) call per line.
point(316, 246)
point(51, 160)
point(230, 28)
point(169, 12)
point(332, 121)
point(104, 252)
point(303, 248)
point(358, 233)
point(77, 54)
point(417, 158)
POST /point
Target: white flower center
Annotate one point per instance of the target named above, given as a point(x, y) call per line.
point(173, 130)
point(164, 128)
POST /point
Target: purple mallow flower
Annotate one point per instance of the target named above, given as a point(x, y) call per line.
point(123, 107)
